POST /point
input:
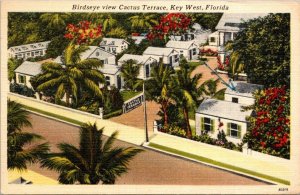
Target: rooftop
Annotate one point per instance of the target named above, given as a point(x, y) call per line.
point(112, 41)
point(109, 69)
point(29, 68)
point(141, 59)
point(30, 47)
point(232, 21)
point(223, 109)
point(180, 44)
point(243, 89)
point(159, 51)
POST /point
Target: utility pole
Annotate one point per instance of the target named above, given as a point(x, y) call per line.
point(145, 107)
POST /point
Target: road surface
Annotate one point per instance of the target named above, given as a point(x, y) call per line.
point(150, 167)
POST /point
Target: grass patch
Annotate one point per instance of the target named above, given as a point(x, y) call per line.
point(126, 95)
point(53, 115)
point(195, 64)
point(210, 161)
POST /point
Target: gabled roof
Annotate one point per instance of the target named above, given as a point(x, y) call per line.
point(138, 39)
point(29, 68)
point(231, 21)
point(159, 51)
point(112, 41)
point(243, 89)
point(109, 69)
point(223, 109)
point(86, 54)
point(141, 59)
point(180, 44)
point(30, 47)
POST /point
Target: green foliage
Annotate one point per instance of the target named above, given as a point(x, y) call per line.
point(19, 154)
point(21, 89)
point(142, 22)
point(11, 66)
point(112, 100)
point(56, 46)
point(94, 161)
point(269, 128)
point(126, 95)
point(264, 47)
point(113, 114)
point(130, 71)
point(117, 32)
point(206, 20)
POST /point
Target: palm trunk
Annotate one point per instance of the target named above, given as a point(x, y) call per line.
point(164, 108)
point(67, 99)
point(188, 127)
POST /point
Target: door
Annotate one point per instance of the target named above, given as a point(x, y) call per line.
point(119, 82)
point(171, 60)
point(191, 54)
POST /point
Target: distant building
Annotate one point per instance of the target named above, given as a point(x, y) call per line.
point(138, 39)
point(28, 51)
point(227, 28)
point(211, 113)
point(188, 49)
point(114, 45)
point(169, 56)
point(145, 61)
point(26, 71)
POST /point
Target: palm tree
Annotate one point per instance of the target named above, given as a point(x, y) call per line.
point(107, 21)
point(129, 71)
point(55, 20)
point(186, 91)
point(12, 65)
point(158, 87)
point(209, 89)
point(236, 64)
point(73, 73)
point(19, 154)
point(143, 21)
point(117, 32)
point(93, 162)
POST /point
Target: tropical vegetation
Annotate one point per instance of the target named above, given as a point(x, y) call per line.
point(95, 161)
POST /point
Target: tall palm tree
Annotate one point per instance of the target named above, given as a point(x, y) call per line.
point(158, 87)
point(186, 91)
point(93, 162)
point(73, 73)
point(20, 145)
point(236, 64)
point(108, 21)
point(209, 89)
point(117, 32)
point(129, 71)
point(143, 21)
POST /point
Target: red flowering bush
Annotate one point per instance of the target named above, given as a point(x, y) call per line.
point(269, 129)
point(83, 32)
point(222, 66)
point(170, 24)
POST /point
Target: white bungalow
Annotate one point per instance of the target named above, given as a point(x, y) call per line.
point(186, 48)
point(114, 45)
point(145, 61)
point(138, 39)
point(25, 71)
point(211, 113)
point(227, 28)
point(28, 51)
point(169, 56)
point(112, 75)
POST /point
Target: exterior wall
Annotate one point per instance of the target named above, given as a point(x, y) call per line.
point(27, 54)
point(114, 80)
point(241, 99)
point(27, 78)
point(103, 55)
point(116, 48)
point(216, 37)
point(243, 127)
point(186, 53)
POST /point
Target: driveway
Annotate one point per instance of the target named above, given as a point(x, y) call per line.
point(148, 168)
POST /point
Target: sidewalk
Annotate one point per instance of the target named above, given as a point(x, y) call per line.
point(275, 169)
point(215, 155)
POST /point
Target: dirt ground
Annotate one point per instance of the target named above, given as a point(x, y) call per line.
point(149, 167)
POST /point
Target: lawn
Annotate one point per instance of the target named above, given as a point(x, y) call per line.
point(195, 64)
point(126, 94)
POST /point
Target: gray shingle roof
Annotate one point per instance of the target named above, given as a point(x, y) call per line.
point(109, 69)
point(139, 58)
point(223, 109)
point(29, 68)
point(30, 47)
point(112, 41)
point(180, 44)
point(159, 51)
point(230, 21)
point(243, 89)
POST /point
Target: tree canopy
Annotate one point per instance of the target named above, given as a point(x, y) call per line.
point(264, 48)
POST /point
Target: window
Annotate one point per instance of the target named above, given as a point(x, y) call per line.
point(176, 58)
point(97, 53)
point(194, 51)
point(234, 130)
point(235, 100)
point(212, 39)
point(147, 70)
point(207, 124)
point(107, 78)
point(181, 51)
point(32, 54)
point(22, 79)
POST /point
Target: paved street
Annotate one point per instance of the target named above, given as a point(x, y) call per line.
point(149, 167)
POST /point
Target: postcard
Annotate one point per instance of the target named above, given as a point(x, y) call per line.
point(150, 97)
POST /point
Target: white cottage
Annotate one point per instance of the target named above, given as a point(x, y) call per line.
point(25, 71)
point(145, 61)
point(169, 56)
point(28, 51)
point(114, 45)
point(188, 49)
point(211, 113)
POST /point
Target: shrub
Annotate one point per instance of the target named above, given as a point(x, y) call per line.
point(112, 114)
point(21, 89)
